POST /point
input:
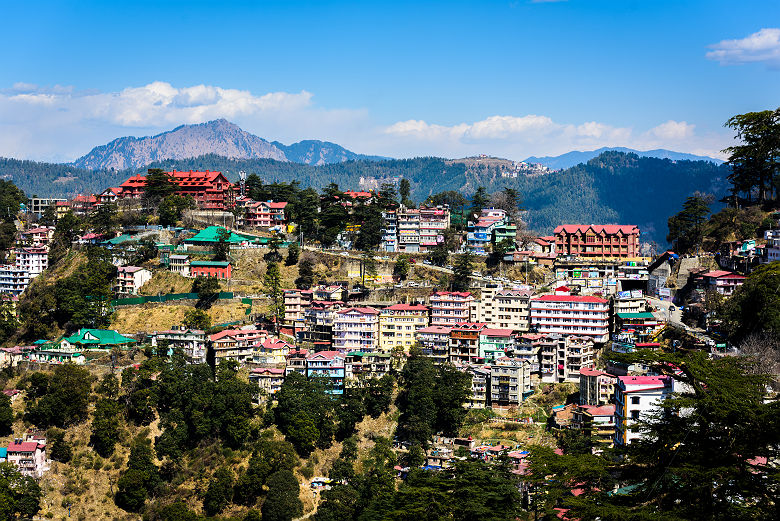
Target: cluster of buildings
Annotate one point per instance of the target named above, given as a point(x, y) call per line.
point(30, 259)
point(414, 230)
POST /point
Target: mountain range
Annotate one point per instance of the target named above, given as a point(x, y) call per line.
point(575, 157)
point(219, 137)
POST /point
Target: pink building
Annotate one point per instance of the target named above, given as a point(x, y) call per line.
point(450, 307)
point(29, 457)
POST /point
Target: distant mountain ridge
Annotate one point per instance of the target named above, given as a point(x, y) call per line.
point(219, 137)
point(575, 157)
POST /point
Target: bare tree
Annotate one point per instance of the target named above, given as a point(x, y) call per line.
point(765, 350)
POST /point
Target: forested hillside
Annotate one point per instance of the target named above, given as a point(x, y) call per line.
point(614, 187)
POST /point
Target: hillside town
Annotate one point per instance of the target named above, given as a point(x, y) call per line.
point(522, 314)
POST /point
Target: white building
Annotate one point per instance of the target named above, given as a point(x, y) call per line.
point(356, 329)
point(635, 398)
point(179, 264)
point(192, 342)
point(581, 315)
point(129, 280)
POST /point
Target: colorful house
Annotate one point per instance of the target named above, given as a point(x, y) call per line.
point(215, 269)
point(329, 365)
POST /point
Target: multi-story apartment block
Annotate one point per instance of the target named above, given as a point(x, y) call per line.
point(389, 231)
point(398, 324)
point(480, 232)
point(268, 379)
point(318, 323)
point(40, 236)
point(527, 347)
point(129, 280)
point(594, 241)
point(38, 205)
point(635, 398)
point(29, 263)
point(433, 222)
point(272, 351)
point(464, 343)
point(596, 387)
point(408, 230)
point(236, 344)
point(511, 309)
point(480, 386)
point(365, 366)
point(296, 301)
point(192, 342)
point(435, 342)
point(494, 343)
point(571, 315)
point(33, 260)
point(356, 329)
point(329, 365)
point(265, 214)
point(561, 357)
point(414, 230)
point(510, 379)
point(296, 362)
point(450, 307)
point(597, 422)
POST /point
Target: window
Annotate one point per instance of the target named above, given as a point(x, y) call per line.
point(635, 400)
point(634, 415)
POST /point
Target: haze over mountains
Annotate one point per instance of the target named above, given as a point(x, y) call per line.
point(219, 137)
point(575, 157)
point(226, 139)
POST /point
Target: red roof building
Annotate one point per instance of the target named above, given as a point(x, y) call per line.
point(211, 190)
point(597, 241)
point(724, 282)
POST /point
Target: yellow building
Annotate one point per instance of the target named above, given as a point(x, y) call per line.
point(398, 323)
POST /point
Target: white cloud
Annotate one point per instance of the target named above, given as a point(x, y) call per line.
point(672, 130)
point(60, 124)
point(760, 47)
point(519, 137)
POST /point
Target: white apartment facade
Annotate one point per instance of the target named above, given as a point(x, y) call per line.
point(581, 315)
point(356, 329)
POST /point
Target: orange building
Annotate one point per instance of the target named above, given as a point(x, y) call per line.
point(597, 241)
point(211, 190)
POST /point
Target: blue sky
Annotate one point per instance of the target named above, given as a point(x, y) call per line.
point(445, 78)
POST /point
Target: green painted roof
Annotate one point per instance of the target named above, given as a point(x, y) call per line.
point(221, 264)
point(211, 234)
point(121, 239)
point(636, 315)
point(103, 337)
